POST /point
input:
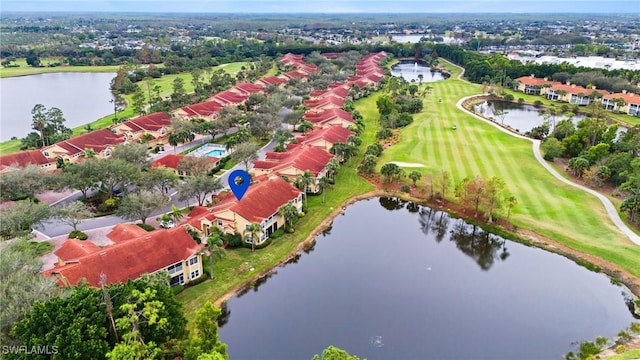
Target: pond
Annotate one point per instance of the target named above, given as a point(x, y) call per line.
point(411, 70)
point(82, 97)
point(402, 281)
point(522, 117)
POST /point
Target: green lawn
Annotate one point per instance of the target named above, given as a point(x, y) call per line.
point(165, 83)
point(233, 271)
point(545, 205)
point(25, 69)
point(628, 355)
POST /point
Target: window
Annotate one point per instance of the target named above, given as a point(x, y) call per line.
point(46, 153)
point(193, 260)
point(163, 131)
point(194, 274)
point(220, 223)
point(177, 280)
point(177, 267)
point(107, 152)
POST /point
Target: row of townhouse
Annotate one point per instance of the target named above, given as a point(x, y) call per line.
point(134, 252)
point(154, 128)
point(628, 103)
point(270, 190)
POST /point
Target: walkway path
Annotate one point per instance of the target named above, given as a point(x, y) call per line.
point(608, 205)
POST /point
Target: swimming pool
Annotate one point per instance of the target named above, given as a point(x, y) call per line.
point(216, 153)
point(211, 150)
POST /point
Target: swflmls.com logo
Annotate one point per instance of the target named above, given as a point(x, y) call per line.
point(29, 350)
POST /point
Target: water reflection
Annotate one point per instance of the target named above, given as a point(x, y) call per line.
point(482, 246)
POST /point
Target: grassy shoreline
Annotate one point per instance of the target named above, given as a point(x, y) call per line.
point(233, 273)
point(165, 82)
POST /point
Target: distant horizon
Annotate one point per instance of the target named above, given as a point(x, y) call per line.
point(319, 7)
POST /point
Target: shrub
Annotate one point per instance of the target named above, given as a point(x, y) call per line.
point(77, 234)
point(405, 189)
point(508, 97)
point(233, 240)
point(537, 103)
point(197, 281)
point(146, 227)
point(620, 349)
point(384, 134)
point(177, 289)
point(521, 100)
point(41, 247)
point(276, 234)
point(301, 214)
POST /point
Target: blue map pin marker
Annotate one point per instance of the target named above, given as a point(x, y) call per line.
point(239, 189)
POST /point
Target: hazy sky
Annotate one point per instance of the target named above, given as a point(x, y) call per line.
point(327, 6)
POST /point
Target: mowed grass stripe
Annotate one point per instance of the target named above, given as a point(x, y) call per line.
point(546, 205)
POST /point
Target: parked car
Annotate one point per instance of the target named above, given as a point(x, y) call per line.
point(169, 224)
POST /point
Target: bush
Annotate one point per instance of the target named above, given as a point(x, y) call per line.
point(77, 234)
point(537, 103)
point(276, 234)
point(521, 100)
point(233, 240)
point(146, 227)
point(41, 247)
point(177, 289)
point(405, 189)
point(301, 214)
point(620, 349)
point(384, 134)
point(197, 281)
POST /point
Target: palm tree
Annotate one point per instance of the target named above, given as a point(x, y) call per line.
point(324, 184)
point(288, 212)
point(215, 250)
point(252, 231)
point(332, 168)
point(176, 214)
point(39, 121)
point(303, 181)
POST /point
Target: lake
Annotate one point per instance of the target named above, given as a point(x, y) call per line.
point(409, 70)
point(522, 117)
point(82, 97)
point(394, 280)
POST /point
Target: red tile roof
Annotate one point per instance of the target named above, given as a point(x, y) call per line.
point(534, 81)
point(97, 140)
point(74, 249)
point(334, 100)
point(228, 97)
point(172, 160)
point(331, 55)
point(123, 232)
point(310, 158)
point(24, 158)
point(324, 116)
point(264, 199)
point(203, 109)
point(295, 74)
point(131, 259)
point(247, 88)
point(629, 98)
point(151, 122)
point(331, 134)
point(576, 89)
point(271, 80)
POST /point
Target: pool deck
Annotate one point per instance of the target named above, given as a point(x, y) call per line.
point(206, 148)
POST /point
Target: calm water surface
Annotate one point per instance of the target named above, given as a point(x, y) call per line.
point(413, 283)
point(410, 71)
point(82, 97)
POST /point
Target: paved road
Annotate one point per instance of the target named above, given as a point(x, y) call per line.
point(608, 205)
point(53, 228)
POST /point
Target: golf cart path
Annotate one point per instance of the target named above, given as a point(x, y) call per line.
point(608, 205)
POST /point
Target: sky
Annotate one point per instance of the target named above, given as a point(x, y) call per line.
point(326, 6)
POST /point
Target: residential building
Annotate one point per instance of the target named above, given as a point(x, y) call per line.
point(573, 94)
point(329, 117)
point(626, 102)
point(102, 142)
point(173, 250)
point(260, 204)
point(15, 161)
point(532, 85)
point(156, 126)
point(207, 110)
point(295, 162)
point(172, 161)
point(324, 138)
